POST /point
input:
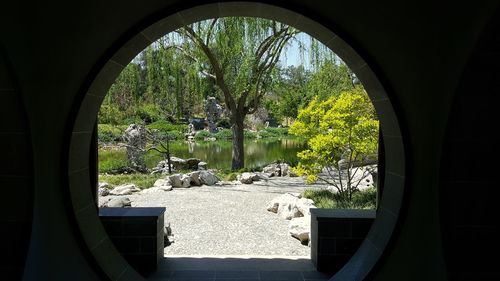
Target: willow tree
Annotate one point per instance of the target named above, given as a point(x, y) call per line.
point(239, 54)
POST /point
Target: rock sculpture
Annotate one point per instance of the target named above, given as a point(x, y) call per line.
point(213, 111)
point(136, 137)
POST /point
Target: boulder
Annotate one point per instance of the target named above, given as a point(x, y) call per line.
point(208, 178)
point(103, 191)
point(195, 178)
point(284, 169)
point(177, 163)
point(300, 228)
point(246, 178)
point(162, 182)
point(260, 176)
point(117, 202)
point(104, 185)
point(270, 170)
point(185, 181)
point(175, 180)
point(202, 166)
point(165, 187)
point(277, 170)
point(290, 205)
point(125, 189)
point(289, 210)
point(192, 163)
point(304, 205)
point(157, 189)
point(161, 168)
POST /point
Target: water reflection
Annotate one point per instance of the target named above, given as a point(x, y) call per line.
point(218, 154)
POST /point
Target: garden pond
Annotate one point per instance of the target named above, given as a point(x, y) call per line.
point(217, 154)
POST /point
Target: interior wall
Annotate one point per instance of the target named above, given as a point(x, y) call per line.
point(418, 49)
point(469, 184)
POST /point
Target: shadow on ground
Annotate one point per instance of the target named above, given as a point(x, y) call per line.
point(237, 268)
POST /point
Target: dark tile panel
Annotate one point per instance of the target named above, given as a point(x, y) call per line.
point(15, 155)
point(10, 107)
point(332, 263)
point(5, 77)
point(198, 274)
point(308, 275)
point(337, 228)
point(347, 245)
point(127, 245)
point(20, 191)
point(360, 227)
point(281, 275)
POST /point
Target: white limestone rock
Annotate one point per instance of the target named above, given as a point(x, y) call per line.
point(125, 189)
point(208, 178)
point(300, 228)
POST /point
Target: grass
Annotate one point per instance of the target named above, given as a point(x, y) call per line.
point(325, 199)
point(140, 180)
point(112, 159)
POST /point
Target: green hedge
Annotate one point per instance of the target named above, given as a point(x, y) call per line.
point(166, 130)
point(273, 132)
point(110, 133)
point(224, 134)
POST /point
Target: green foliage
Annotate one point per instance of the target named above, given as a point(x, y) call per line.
point(224, 123)
point(366, 199)
point(290, 91)
point(250, 134)
point(201, 135)
point(342, 127)
point(224, 134)
point(110, 114)
point(325, 199)
point(109, 133)
point(149, 113)
point(333, 78)
point(142, 181)
point(164, 130)
point(273, 132)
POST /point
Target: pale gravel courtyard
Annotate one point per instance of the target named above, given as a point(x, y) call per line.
point(227, 220)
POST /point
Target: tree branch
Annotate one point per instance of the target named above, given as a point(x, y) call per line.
point(219, 74)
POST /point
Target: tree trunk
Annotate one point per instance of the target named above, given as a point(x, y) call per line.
point(238, 161)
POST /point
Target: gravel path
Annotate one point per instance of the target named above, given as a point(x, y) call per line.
point(227, 220)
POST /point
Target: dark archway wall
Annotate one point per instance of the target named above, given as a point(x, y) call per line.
point(418, 50)
point(469, 177)
point(16, 175)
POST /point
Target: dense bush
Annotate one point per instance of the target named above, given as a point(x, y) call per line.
point(273, 132)
point(326, 199)
point(109, 133)
point(164, 130)
point(365, 199)
point(224, 123)
point(149, 113)
point(250, 134)
point(110, 114)
point(166, 126)
point(224, 134)
point(201, 135)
